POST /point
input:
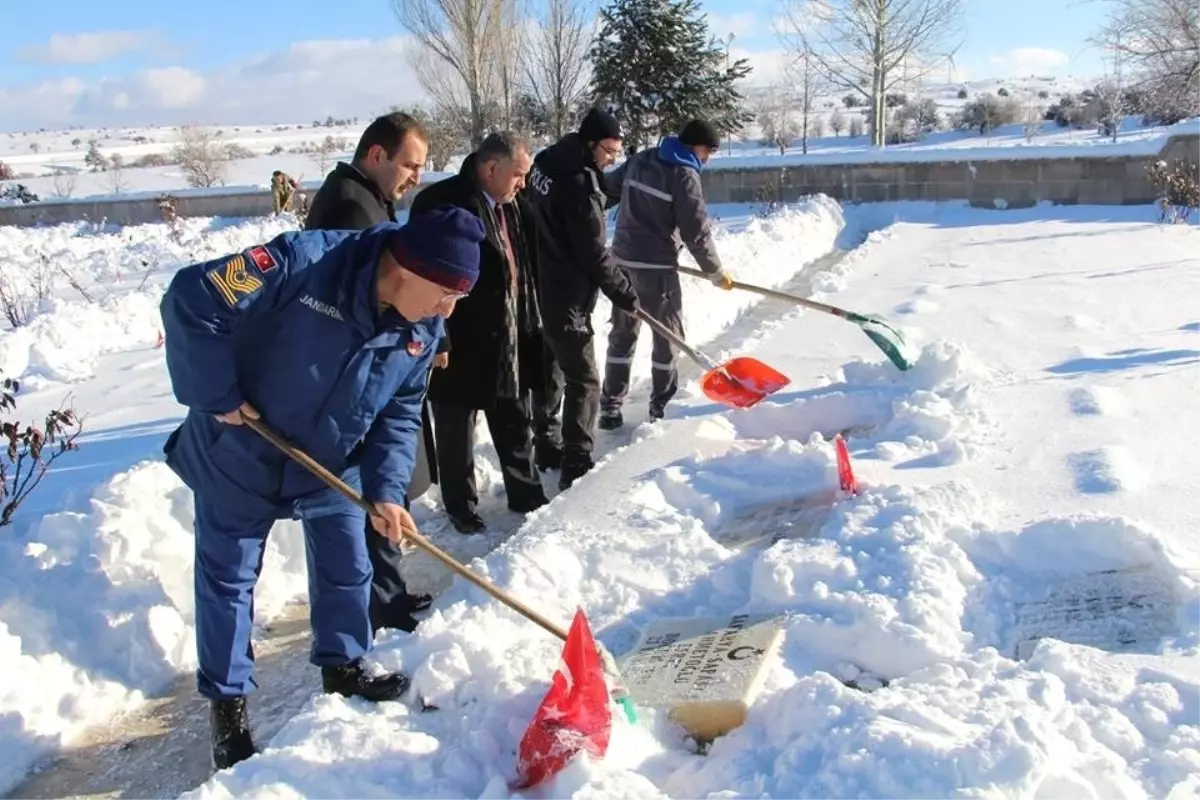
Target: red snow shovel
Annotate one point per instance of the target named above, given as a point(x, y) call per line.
point(740, 382)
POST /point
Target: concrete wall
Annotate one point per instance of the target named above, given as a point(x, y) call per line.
point(1012, 183)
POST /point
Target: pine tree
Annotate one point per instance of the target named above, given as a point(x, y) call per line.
point(655, 65)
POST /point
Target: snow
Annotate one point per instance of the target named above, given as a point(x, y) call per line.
point(1045, 438)
point(51, 163)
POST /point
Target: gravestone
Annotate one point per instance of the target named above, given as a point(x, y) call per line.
point(706, 671)
point(1116, 609)
point(768, 523)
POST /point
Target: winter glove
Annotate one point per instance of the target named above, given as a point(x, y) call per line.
point(721, 279)
point(626, 301)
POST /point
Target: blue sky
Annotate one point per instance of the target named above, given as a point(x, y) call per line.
point(150, 61)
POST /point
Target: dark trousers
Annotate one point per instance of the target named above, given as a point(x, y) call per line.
point(547, 398)
point(509, 423)
point(391, 607)
point(229, 555)
point(574, 353)
point(659, 294)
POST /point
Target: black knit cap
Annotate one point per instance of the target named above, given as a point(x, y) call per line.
point(599, 124)
point(700, 133)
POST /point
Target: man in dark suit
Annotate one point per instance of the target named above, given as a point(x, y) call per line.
point(497, 357)
point(355, 196)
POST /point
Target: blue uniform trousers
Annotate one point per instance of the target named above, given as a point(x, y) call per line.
point(229, 555)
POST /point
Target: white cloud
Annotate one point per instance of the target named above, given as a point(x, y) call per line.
point(1030, 60)
point(741, 25)
point(309, 80)
point(87, 48)
point(768, 65)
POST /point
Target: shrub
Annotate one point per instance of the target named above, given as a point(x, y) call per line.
point(987, 112)
point(30, 450)
point(1179, 187)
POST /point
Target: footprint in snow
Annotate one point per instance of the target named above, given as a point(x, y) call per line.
point(1097, 401)
point(917, 307)
point(1106, 470)
point(1080, 322)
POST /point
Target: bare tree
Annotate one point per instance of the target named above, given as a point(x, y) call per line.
point(116, 173)
point(1160, 41)
point(324, 152)
point(555, 60)
point(773, 111)
point(64, 182)
point(201, 156)
point(837, 122)
point(869, 47)
point(1110, 94)
point(506, 72)
point(458, 43)
point(808, 84)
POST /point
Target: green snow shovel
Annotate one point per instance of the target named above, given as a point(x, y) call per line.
point(885, 337)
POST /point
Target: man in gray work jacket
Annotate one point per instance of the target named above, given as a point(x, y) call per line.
point(662, 210)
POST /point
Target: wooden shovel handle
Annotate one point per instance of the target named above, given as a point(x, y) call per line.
point(334, 482)
point(778, 295)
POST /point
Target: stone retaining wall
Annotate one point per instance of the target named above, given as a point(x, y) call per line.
point(1005, 183)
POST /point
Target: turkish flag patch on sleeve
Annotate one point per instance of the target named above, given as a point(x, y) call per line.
point(262, 259)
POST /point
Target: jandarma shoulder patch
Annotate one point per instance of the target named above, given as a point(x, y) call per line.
point(233, 280)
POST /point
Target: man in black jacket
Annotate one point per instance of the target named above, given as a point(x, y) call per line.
point(495, 336)
point(387, 163)
point(567, 189)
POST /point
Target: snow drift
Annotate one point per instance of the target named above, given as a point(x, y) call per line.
point(102, 598)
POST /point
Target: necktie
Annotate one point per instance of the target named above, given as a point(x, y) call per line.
point(512, 259)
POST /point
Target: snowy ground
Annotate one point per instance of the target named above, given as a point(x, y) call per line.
point(51, 163)
point(1042, 452)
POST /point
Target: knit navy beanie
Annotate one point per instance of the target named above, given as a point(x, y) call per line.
point(599, 124)
point(440, 245)
point(700, 133)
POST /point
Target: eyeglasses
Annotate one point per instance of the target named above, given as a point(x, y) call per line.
point(449, 296)
point(612, 151)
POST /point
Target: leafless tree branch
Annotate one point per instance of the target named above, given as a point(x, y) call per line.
point(869, 46)
point(555, 63)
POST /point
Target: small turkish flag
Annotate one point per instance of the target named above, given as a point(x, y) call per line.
point(574, 715)
point(846, 479)
point(262, 259)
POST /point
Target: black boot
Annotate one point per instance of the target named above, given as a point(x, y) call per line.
point(350, 680)
point(547, 455)
point(611, 419)
point(467, 522)
point(231, 740)
point(574, 467)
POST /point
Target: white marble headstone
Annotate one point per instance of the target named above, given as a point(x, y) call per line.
point(706, 670)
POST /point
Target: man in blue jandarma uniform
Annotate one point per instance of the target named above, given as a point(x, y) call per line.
point(328, 337)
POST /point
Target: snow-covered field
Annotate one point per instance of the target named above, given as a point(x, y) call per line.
point(52, 163)
point(1043, 450)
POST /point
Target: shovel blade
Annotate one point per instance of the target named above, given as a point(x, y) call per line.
point(887, 339)
point(742, 382)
